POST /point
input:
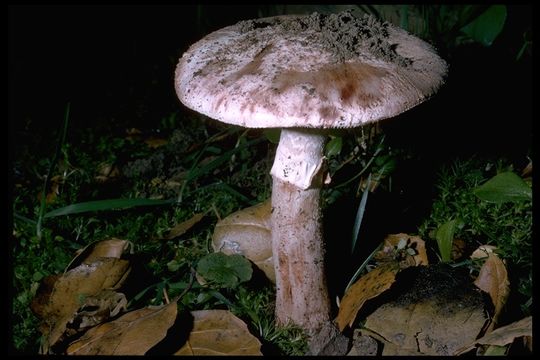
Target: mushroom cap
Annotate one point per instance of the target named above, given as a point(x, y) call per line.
point(314, 71)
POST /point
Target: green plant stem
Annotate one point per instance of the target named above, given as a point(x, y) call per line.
point(357, 273)
point(360, 215)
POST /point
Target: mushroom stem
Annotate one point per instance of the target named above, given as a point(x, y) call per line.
point(297, 243)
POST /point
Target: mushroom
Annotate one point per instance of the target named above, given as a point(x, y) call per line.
point(305, 74)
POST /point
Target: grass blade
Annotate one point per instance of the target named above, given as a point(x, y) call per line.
point(364, 264)
point(110, 204)
point(360, 215)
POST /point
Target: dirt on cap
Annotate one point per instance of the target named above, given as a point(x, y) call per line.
point(342, 34)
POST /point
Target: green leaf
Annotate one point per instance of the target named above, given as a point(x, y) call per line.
point(504, 187)
point(272, 135)
point(384, 167)
point(445, 236)
point(224, 270)
point(495, 350)
point(110, 204)
point(173, 265)
point(334, 146)
point(486, 27)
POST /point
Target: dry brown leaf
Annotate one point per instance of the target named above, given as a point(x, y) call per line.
point(183, 227)
point(54, 189)
point(59, 306)
point(458, 249)
point(391, 349)
point(133, 133)
point(493, 279)
point(504, 335)
point(132, 334)
point(111, 248)
point(527, 171)
point(107, 172)
point(219, 332)
point(155, 142)
point(413, 242)
point(528, 342)
point(40, 302)
point(428, 318)
point(100, 308)
point(248, 232)
point(367, 287)
point(483, 251)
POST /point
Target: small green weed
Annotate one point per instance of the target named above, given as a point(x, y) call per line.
point(258, 308)
point(507, 225)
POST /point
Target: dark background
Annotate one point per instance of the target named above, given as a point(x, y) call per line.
point(109, 61)
point(116, 63)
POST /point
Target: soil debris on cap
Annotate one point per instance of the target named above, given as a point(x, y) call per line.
point(342, 34)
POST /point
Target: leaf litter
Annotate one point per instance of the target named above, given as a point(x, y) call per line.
point(83, 314)
point(60, 297)
point(219, 332)
point(436, 311)
point(493, 279)
point(436, 314)
point(248, 232)
point(132, 334)
point(426, 319)
point(393, 257)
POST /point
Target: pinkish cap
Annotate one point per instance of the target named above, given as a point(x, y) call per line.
point(315, 71)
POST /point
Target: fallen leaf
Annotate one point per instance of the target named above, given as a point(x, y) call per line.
point(390, 250)
point(133, 132)
point(493, 279)
point(248, 232)
point(219, 332)
point(40, 302)
point(54, 189)
point(99, 308)
point(183, 227)
point(155, 142)
point(504, 335)
point(458, 249)
point(58, 307)
point(107, 172)
point(367, 287)
point(527, 171)
point(132, 334)
point(483, 251)
point(391, 349)
point(528, 342)
point(111, 248)
point(436, 314)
